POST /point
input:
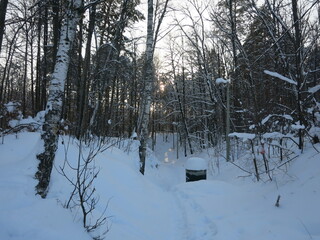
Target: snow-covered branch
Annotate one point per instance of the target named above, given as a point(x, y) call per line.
point(281, 77)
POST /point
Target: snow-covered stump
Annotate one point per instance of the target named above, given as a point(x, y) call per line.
point(196, 169)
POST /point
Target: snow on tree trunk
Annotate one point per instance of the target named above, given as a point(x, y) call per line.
point(56, 91)
point(149, 79)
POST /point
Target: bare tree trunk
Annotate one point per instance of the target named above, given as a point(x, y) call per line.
point(298, 47)
point(55, 26)
point(38, 67)
point(56, 92)
point(234, 66)
point(149, 81)
point(3, 10)
point(6, 67)
point(32, 75)
point(24, 91)
point(83, 95)
point(182, 105)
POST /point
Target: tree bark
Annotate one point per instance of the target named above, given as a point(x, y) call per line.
point(83, 91)
point(149, 81)
point(3, 10)
point(234, 66)
point(56, 91)
point(298, 47)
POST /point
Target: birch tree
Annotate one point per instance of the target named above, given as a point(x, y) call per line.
point(50, 133)
point(152, 34)
point(149, 78)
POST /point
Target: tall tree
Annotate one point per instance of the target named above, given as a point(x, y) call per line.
point(152, 34)
point(51, 126)
point(3, 10)
point(148, 87)
point(298, 48)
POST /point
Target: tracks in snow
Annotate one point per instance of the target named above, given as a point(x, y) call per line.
point(190, 220)
point(194, 223)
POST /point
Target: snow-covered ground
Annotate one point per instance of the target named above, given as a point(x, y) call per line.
point(159, 205)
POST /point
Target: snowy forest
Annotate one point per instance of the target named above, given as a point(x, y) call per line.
point(149, 84)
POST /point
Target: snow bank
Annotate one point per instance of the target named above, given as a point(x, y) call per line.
point(23, 214)
point(136, 207)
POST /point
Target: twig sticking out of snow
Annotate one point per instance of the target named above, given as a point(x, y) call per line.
point(278, 201)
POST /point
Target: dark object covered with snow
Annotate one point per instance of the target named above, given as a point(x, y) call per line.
point(196, 169)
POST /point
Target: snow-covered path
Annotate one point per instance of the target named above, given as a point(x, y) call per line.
point(197, 225)
point(193, 223)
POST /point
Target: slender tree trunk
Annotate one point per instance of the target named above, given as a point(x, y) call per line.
point(149, 81)
point(298, 47)
point(32, 75)
point(24, 91)
point(54, 103)
point(228, 145)
point(182, 105)
point(235, 63)
point(6, 67)
point(3, 10)
point(55, 26)
point(38, 67)
point(44, 66)
point(83, 95)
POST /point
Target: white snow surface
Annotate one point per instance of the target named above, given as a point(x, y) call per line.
point(242, 135)
point(196, 163)
point(266, 119)
point(273, 135)
point(297, 126)
point(222, 81)
point(38, 119)
point(11, 106)
point(159, 205)
point(281, 77)
point(314, 89)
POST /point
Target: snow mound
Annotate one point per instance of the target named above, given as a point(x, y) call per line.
point(196, 163)
point(25, 215)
